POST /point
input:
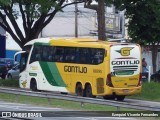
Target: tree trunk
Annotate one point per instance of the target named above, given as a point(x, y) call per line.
point(101, 20)
point(154, 56)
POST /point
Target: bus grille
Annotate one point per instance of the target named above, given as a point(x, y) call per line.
point(125, 68)
point(100, 85)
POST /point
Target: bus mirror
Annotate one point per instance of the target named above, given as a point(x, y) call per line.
point(17, 56)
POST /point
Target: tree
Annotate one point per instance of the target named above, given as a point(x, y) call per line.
point(100, 9)
point(144, 22)
point(36, 14)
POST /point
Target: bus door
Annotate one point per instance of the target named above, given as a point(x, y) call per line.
point(125, 64)
point(23, 71)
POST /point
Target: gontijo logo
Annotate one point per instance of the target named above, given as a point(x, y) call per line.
point(125, 51)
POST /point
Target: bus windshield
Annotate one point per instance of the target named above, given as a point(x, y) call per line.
point(23, 61)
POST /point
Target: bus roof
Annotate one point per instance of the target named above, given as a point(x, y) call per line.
point(72, 42)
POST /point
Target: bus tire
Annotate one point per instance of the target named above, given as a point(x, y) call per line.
point(120, 97)
point(79, 89)
point(33, 85)
point(88, 91)
point(109, 97)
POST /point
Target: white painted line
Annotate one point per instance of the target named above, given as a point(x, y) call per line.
point(30, 108)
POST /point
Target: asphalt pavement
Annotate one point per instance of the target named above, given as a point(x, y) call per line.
point(18, 111)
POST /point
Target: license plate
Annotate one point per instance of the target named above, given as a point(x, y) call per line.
point(125, 90)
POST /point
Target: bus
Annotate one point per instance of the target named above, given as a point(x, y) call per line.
point(83, 66)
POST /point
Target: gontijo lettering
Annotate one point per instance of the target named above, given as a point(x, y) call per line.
point(127, 62)
point(76, 69)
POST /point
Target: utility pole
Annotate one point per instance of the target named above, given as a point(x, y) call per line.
point(76, 19)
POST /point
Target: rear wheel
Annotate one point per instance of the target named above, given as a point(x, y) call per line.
point(79, 89)
point(109, 97)
point(120, 97)
point(33, 85)
point(88, 91)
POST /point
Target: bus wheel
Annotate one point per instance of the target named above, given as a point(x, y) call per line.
point(88, 91)
point(120, 97)
point(33, 85)
point(109, 97)
point(79, 89)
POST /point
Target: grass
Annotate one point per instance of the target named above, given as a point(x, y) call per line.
point(9, 83)
point(150, 91)
point(58, 103)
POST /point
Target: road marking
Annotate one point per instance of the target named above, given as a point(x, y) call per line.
point(29, 108)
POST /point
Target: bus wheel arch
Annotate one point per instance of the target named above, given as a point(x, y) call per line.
point(79, 89)
point(33, 84)
point(88, 90)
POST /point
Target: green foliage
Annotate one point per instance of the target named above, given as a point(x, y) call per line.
point(4, 2)
point(35, 14)
point(144, 19)
point(9, 83)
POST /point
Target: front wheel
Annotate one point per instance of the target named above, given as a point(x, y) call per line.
point(33, 85)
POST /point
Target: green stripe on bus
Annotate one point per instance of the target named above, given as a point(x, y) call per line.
point(57, 77)
point(47, 73)
point(52, 74)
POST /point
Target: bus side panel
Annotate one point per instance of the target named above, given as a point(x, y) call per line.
point(83, 73)
point(46, 76)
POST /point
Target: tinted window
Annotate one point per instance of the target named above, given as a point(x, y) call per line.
point(59, 54)
point(70, 54)
point(23, 61)
point(67, 54)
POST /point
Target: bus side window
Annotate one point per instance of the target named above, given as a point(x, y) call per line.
point(98, 56)
point(83, 55)
point(36, 54)
point(59, 54)
point(70, 54)
point(51, 53)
